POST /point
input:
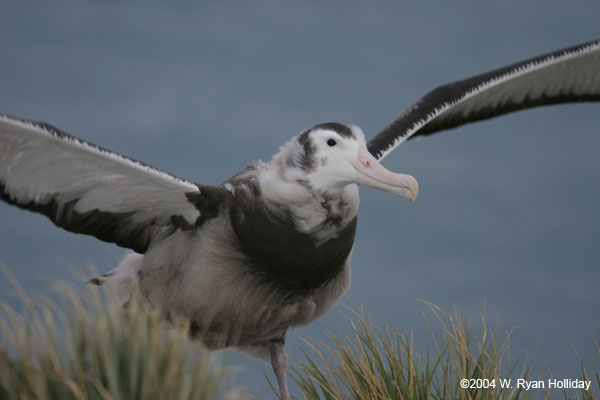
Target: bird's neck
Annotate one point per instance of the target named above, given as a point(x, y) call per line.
point(294, 240)
point(320, 214)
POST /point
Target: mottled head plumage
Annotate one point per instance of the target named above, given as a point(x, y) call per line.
point(307, 159)
point(340, 129)
point(327, 158)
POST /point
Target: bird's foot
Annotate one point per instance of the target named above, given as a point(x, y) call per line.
point(279, 364)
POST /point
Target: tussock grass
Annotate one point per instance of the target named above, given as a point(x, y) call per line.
point(77, 347)
point(381, 363)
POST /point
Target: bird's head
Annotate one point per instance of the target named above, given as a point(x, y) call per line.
point(332, 156)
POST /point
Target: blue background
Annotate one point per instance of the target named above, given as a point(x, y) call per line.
point(507, 217)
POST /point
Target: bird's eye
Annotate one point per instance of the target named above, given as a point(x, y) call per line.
point(331, 142)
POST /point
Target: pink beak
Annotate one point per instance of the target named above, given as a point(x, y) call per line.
point(371, 173)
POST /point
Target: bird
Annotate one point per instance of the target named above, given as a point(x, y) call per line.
point(269, 248)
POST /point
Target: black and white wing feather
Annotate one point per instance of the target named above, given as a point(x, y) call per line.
point(563, 76)
point(87, 189)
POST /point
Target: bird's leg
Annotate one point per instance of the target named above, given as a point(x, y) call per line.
point(279, 364)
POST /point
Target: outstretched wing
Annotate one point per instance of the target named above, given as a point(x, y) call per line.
point(84, 188)
point(563, 76)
